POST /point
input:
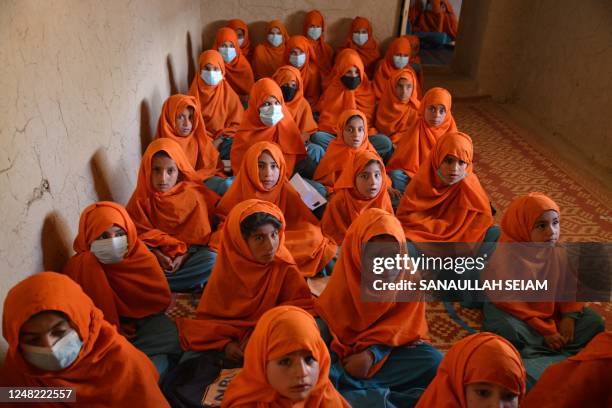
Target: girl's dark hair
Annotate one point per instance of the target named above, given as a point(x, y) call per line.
point(162, 153)
point(250, 224)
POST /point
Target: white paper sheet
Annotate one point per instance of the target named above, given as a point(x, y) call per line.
point(310, 196)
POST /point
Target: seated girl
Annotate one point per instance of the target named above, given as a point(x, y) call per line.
point(286, 363)
point(348, 88)
point(181, 121)
point(124, 280)
point(269, 55)
point(242, 32)
point(379, 356)
point(361, 185)
point(396, 58)
point(220, 106)
point(238, 70)
point(415, 142)
point(262, 176)
point(298, 54)
point(437, 24)
point(481, 370)
point(314, 30)
point(543, 332)
point(171, 210)
point(58, 338)
point(360, 39)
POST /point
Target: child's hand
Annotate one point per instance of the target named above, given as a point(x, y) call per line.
point(566, 329)
point(358, 365)
point(394, 193)
point(555, 341)
point(164, 261)
point(217, 142)
point(178, 262)
point(234, 352)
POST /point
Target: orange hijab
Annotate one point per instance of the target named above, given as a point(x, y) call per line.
point(198, 148)
point(416, 142)
point(303, 237)
point(438, 20)
point(386, 68)
point(395, 118)
point(347, 203)
point(415, 58)
point(238, 71)
point(309, 71)
point(285, 133)
point(174, 219)
point(369, 52)
point(236, 24)
point(135, 287)
point(240, 290)
point(280, 331)
point(337, 98)
point(431, 211)
point(109, 371)
point(354, 324)
point(220, 106)
point(482, 357)
point(266, 58)
point(323, 52)
point(298, 106)
point(585, 378)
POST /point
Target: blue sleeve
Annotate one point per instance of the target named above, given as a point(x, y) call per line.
point(379, 352)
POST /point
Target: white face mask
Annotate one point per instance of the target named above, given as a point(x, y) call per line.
point(444, 179)
point(240, 42)
point(315, 32)
point(360, 38)
point(61, 355)
point(110, 250)
point(275, 39)
point(211, 77)
point(400, 61)
point(228, 53)
point(271, 115)
point(297, 60)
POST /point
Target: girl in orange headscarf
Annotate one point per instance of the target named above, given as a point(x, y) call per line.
point(314, 30)
point(544, 332)
point(439, 17)
point(220, 106)
point(254, 272)
point(361, 185)
point(242, 32)
point(416, 138)
point(292, 87)
point(480, 370)
point(171, 211)
point(378, 348)
point(269, 55)
point(58, 338)
point(397, 58)
point(298, 54)
point(361, 39)
point(286, 362)
point(262, 176)
point(237, 67)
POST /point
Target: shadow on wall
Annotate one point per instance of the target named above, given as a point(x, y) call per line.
point(191, 64)
point(210, 31)
point(100, 174)
point(338, 31)
point(171, 79)
point(296, 21)
point(146, 132)
point(55, 242)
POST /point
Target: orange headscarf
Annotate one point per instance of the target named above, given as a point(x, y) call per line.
point(240, 290)
point(479, 358)
point(135, 287)
point(174, 219)
point(298, 106)
point(198, 148)
point(415, 58)
point(238, 72)
point(369, 52)
point(281, 331)
point(386, 68)
point(323, 52)
point(303, 237)
point(347, 203)
point(266, 58)
point(285, 133)
point(221, 108)
point(585, 377)
point(395, 118)
point(109, 371)
point(309, 71)
point(431, 211)
point(355, 324)
point(236, 24)
point(438, 20)
point(415, 144)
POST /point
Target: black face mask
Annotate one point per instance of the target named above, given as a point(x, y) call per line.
point(288, 92)
point(350, 82)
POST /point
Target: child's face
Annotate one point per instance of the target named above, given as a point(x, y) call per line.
point(403, 89)
point(546, 228)
point(434, 115)
point(211, 67)
point(361, 31)
point(354, 132)
point(452, 170)
point(269, 101)
point(112, 232)
point(44, 329)
point(164, 173)
point(184, 121)
point(352, 72)
point(269, 172)
point(263, 243)
point(369, 181)
point(294, 375)
point(485, 395)
point(239, 33)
